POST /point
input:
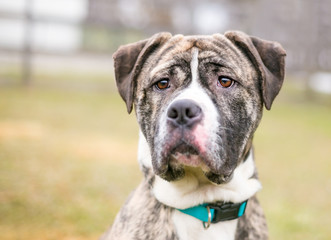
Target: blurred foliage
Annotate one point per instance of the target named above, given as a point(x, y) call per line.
point(65, 79)
point(68, 162)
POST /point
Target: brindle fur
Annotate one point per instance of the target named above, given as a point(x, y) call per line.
point(258, 67)
point(143, 217)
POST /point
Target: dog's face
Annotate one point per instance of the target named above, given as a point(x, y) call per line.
point(199, 99)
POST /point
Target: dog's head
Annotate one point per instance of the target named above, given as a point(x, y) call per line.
point(199, 99)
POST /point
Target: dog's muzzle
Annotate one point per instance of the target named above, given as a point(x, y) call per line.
point(186, 144)
point(181, 146)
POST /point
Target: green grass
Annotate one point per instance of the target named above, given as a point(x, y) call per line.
point(68, 162)
point(62, 155)
point(293, 155)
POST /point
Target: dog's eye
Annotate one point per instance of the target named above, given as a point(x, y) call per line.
point(225, 82)
point(162, 84)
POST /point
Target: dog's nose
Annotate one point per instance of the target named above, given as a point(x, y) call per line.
point(184, 113)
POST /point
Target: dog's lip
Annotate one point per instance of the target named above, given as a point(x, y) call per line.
point(191, 160)
point(184, 148)
point(187, 155)
point(176, 170)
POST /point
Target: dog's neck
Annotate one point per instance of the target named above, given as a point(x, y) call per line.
point(195, 189)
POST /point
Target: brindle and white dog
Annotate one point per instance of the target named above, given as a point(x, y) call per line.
point(198, 101)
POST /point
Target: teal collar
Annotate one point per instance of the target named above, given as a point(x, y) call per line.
point(213, 213)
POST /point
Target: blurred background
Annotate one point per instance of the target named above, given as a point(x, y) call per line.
point(68, 147)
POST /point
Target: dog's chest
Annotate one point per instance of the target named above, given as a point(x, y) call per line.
point(189, 228)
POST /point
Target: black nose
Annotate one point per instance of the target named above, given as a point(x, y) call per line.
point(184, 113)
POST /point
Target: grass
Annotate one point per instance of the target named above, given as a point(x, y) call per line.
point(61, 156)
point(68, 162)
point(293, 153)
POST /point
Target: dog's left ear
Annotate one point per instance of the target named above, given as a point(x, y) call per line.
point(128, 62)
point(268, 58)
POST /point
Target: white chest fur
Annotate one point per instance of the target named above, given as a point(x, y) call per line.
point(190, 228)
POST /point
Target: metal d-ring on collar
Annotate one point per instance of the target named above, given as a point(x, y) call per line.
point(206, 225)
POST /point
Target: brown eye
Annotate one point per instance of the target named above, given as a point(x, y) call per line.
point(225, 82)
point(162, 84)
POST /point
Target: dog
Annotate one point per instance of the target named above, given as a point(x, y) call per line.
point(198, 101)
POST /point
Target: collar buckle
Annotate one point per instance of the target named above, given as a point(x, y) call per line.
point(228, 211)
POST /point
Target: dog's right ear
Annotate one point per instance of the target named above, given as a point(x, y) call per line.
point(128, 62)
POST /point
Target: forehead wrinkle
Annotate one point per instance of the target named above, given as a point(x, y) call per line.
point(169, 60)
point(163, 66)
point(218, 58)
point(225, 57)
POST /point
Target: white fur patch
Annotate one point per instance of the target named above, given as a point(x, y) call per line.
point(144, 153)
point(194, 64)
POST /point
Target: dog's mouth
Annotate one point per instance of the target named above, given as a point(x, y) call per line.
point(185, 156)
